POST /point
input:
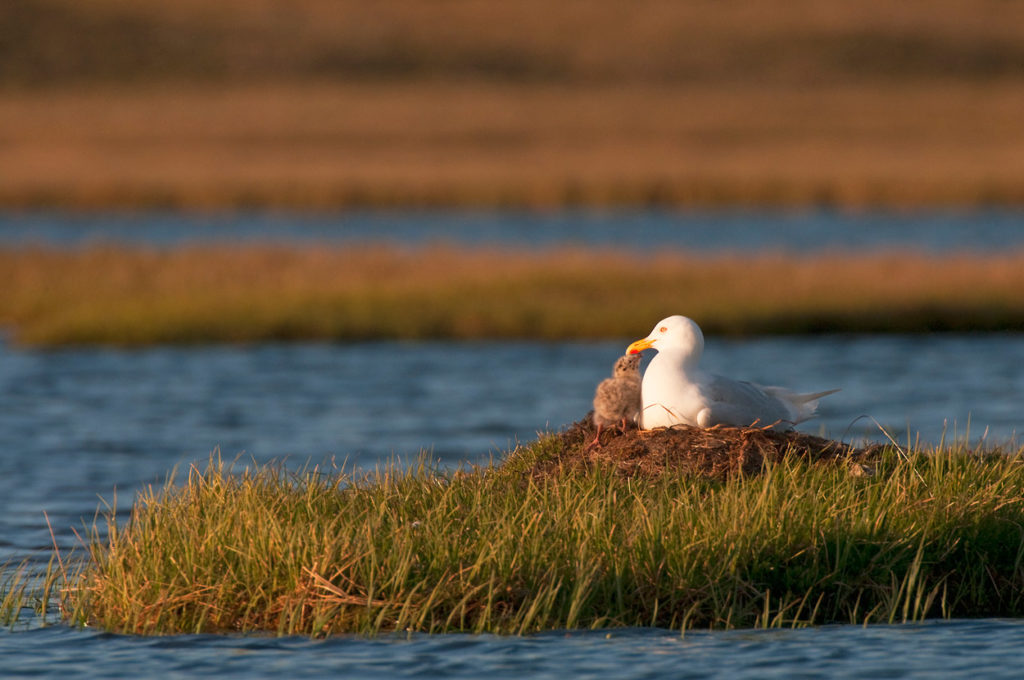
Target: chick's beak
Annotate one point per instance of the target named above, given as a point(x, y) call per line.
point(640, 346)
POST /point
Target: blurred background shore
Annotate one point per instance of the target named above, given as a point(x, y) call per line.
point(325, 104)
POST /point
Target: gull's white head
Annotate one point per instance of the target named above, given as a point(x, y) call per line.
point(675, 335)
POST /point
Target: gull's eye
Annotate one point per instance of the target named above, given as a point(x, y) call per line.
point(663, 329)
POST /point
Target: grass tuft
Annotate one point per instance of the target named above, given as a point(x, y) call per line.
point(929, 533)
point(938, 533)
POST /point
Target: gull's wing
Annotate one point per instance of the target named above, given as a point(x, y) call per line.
point(740, 403)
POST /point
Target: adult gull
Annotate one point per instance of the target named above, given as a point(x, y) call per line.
point(675, 391)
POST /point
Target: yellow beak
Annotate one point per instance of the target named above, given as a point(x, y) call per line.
point(640, 345)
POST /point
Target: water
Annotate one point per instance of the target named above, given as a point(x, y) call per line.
point(955, 649)
point(75, 424)
point(740, 231)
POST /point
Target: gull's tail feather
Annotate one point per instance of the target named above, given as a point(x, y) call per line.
point(803, 406)
point(814, 396)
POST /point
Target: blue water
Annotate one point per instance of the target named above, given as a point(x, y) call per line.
point(739, 231)
point(949, 649)
point(84, 428)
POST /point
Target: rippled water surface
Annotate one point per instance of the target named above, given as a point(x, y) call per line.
point(948, 649)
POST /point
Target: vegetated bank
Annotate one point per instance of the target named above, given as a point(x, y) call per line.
point(349, 104)
point(252, 293)
point(726, 528)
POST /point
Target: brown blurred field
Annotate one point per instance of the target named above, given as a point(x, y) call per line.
point(121, 296)
point(326, 104)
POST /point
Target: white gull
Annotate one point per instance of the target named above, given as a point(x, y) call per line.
point(676, 392)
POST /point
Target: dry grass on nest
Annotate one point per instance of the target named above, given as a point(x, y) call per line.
point(716, 453)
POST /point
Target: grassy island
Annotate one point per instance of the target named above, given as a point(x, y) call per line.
point(556, 538)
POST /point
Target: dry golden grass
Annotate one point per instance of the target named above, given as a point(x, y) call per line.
point(216, 294)
point(320, 146)
point(808, 41)
point(324, 104)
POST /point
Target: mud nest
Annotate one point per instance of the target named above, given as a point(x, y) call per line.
point(718, 452)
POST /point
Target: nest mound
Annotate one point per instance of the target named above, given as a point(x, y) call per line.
point(718, 452)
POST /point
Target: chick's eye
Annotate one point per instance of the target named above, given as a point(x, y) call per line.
point(663, 329)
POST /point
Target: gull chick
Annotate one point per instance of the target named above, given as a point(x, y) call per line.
point(677, 392)
point(617, 399)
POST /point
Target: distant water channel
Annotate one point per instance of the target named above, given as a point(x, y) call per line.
point(78, 424)
point(734, 231)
